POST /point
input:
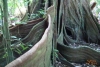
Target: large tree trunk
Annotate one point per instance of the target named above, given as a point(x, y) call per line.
point(40, 54)
point(31, 33)
point(77, 26)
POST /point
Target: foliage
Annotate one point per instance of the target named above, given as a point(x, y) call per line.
point(96, 10)
point(39, 14)
point(20, 49)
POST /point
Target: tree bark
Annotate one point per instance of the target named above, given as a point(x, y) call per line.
point(77, 26)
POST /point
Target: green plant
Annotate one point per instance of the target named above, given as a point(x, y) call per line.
point(20, 49)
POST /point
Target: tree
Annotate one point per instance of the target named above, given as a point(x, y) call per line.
point(75, 29)
point(77, 26)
